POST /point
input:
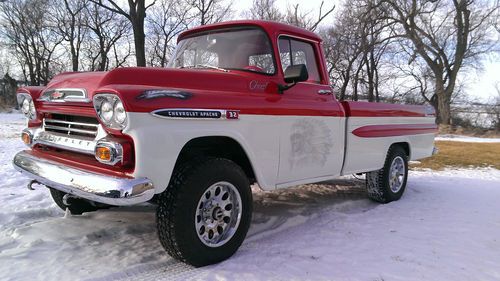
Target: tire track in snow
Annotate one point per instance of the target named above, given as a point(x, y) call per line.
point(274, 213)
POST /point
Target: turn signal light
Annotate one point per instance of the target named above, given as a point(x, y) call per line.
point(103, 153)
point(109, 152)
point(26, 137)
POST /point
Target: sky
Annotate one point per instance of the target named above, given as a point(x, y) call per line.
point(483, 83)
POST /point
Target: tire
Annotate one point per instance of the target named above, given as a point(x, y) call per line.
point(77, 206)
point(191, 205)
point(388, 184)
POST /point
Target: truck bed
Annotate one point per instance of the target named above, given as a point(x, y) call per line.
point(371, 128)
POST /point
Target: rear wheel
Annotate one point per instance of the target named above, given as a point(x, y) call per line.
point(204, 214)
point(76, 206)
point(389, 183)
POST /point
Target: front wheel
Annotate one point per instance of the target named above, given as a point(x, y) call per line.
point(204, 214)
point(389, 183)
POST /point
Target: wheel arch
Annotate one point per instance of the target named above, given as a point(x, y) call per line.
point(217, 146)
point(405, 146)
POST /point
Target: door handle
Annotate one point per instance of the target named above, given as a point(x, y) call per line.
point(324, 92)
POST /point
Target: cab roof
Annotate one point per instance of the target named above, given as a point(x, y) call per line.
point(272, 28)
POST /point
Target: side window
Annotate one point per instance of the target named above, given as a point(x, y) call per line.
point(293, 52)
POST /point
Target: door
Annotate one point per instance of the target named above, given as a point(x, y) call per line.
point(312, 136)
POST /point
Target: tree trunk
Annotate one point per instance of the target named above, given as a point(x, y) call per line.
point(139, 40)
point(74, 58)
point(443, 103)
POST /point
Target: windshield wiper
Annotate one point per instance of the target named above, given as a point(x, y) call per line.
point(210, 66)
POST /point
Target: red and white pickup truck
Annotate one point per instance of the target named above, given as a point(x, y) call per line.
point(241, 103)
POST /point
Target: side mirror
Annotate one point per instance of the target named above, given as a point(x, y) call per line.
point(296, 73)
point(293, 75)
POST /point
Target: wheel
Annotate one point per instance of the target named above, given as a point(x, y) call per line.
point(204, 214)
point(389, 183)
point(76, 206)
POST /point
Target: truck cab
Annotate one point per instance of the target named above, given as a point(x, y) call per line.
point(241, 103)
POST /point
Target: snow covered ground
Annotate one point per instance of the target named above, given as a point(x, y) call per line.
point(446, 227)
point(459, 138)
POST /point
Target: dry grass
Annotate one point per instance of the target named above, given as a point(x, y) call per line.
point(463, 154)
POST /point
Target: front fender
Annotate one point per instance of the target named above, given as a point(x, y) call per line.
point(158, 143)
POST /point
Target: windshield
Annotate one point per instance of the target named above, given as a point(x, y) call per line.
point(238, 49)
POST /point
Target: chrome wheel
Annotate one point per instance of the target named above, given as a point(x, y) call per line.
point(218, 214)
point(396, 174)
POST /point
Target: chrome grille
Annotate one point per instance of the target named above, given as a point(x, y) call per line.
point(71, 125)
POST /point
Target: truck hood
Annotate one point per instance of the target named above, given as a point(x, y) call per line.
point(131, 80)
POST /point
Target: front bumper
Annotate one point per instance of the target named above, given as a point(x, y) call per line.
point(89, 185)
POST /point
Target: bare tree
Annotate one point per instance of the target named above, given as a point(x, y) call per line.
point(374, 43)
point(211, 11)
point(305, 20)
point(105, 31)
point(342, 50)
point(494, 110)
point(265, 10)
point(354, 47)
point(446, 35)
point(71, 26)
point(136, 15)
point(165, 22)
point(32, 37)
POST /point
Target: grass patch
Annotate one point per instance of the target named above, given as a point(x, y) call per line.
point(463, 155)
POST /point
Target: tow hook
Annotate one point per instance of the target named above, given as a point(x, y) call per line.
point(67, 198)
point(30, 184)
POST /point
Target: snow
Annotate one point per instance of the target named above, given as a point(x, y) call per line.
point(446, 227)
point(461, 138)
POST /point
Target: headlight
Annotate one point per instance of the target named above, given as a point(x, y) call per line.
point(27, 105)
point(32, 110)
point(119, 112)
point(110, 110)
point(106, 111)
point(25, 108)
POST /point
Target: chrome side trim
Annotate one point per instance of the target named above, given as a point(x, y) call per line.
point(89, 185)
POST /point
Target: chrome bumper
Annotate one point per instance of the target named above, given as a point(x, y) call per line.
point(92, 186)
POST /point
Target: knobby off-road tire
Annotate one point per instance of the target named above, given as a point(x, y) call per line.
point(388, 184)
point(76, 206)
point(203, 196)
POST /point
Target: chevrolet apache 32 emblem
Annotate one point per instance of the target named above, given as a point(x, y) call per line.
point(197, 114)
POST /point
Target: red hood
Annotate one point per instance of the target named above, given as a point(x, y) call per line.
point(209, 88)
point(146, 78)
